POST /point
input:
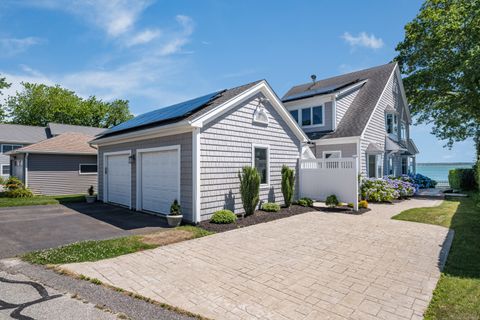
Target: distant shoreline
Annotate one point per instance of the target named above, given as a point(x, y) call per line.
point(445, 163)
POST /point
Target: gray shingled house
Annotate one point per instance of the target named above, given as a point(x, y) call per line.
point(193, 151)
point(363, 113)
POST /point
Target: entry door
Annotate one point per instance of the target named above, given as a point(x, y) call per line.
point(160, 179)
point(118, 179)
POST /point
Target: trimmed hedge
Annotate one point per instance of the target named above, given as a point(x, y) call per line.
point(270, 207)
point(223, 217)
point(462, 179)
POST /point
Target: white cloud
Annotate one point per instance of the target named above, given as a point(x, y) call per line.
point(12, 46)
point(180, 38)
point(143, 37)
point(363, 39)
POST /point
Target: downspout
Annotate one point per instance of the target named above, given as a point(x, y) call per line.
point(25, 163)
point(334, 112)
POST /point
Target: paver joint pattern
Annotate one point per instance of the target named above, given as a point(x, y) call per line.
point(311, 266)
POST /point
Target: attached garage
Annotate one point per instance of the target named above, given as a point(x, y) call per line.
point(158, 183)
point(117, 175)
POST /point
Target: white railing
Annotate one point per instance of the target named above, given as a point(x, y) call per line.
point(320, 178)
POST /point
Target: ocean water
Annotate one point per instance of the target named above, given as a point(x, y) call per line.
point(439, 171)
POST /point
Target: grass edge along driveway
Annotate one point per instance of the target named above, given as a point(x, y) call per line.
point(94, 250)
point(457, 295)
point(40, 200)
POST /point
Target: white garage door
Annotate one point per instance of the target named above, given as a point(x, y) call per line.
point(159, 185)
point(118, 179)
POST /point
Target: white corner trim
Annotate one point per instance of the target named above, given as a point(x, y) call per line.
point(25, 163)
point(105, 182)
point(196, 155)
point(138, 171)
point(378, 101)
point(267, 147)
point(334, 113)
point(269, 93)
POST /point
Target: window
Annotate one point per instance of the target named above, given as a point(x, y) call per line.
point(294, 114)
point(372, 160)
point(404, 165)
point(261, 163)
point(5, 170)
point(403, 131)
point(307, 117)
point(391, 123)
point(9, 147)
point(317, 113)
point(390, 166)
point(332, 154)
point(88, 168)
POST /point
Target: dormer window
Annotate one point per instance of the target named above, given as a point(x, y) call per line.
point(260, 115)
point(309, 117)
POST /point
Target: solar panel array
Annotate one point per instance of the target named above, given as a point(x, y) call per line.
point(167, 113)
point(318, 91)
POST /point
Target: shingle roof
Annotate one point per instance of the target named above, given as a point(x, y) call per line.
point(58, 128)
point(65, 143)
point(15, 133)
point(212, 101)
point(355, 119)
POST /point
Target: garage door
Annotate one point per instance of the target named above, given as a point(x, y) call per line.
point(118, 179)
point(159, 181)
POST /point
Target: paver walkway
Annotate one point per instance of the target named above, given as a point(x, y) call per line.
point(310, 266)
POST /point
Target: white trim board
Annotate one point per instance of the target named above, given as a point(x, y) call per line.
point(196, 187)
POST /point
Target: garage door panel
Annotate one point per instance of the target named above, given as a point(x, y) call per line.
point(118, 179)
point(159, 180)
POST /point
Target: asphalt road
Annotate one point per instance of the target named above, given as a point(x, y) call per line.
point(24, 229)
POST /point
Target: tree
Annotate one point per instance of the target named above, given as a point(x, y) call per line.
point(3, 85)
point(440, 57)
point(39, 104)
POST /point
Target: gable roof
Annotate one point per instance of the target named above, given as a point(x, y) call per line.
point(65, 143)
point(358, 114)
point(16, 133)
point(59, 128)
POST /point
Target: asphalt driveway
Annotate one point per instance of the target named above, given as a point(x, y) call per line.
point(24, 229)
point(310, 266)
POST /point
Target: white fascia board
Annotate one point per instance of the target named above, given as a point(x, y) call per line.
point(269, 93)
point(162, 131)
point(379, 99)
point(343, 140)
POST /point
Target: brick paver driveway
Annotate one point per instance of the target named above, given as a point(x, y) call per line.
point(310, 266)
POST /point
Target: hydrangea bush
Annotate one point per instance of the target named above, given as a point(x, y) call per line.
point(422, 181)
point(387, 189)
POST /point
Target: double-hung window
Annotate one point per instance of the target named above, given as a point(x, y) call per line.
point(261, 160)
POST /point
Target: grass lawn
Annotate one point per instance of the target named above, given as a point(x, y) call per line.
point(457, 295)
point(40, 200)
point(94, 250)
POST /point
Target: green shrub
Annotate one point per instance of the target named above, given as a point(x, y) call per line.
point(477, 173)
point(223, 217)
point(363, 204)
point(288, 185)
point(13, 183)
point(350, 205)
point(332, 201)
point(271, 207)
point(249, 189)
point(19, 193)
point(91, 191)
point(378, 190)
point(462, 179)
point(305, 202)
point(175, 208)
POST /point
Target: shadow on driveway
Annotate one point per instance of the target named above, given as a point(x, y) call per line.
point(24, 229)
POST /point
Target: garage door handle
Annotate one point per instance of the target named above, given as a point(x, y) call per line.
point(106, 170)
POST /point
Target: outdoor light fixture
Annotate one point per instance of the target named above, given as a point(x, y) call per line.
point(131, 159)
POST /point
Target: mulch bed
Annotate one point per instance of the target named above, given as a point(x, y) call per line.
point(262, 216)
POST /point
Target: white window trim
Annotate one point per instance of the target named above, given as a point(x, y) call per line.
point(299, 110)
point(260, 110)
point(1, 172)
point(333, 151)
point(138, 159)
point(86, 164)
point(262, 146)
point(105, 182)
point(9, 144)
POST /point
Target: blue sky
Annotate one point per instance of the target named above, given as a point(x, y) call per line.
point(155, 53)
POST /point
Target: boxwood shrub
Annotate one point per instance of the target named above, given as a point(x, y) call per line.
point(332, 201)
point(305, 202)
point(462, 179)
point(270, 207)
point(223, 217)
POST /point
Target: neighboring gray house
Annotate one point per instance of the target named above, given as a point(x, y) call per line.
point(363, 113)
point(193, 152)
point(64, 164)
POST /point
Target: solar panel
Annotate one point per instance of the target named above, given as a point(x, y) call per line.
point(166, 113)
point(318, 91)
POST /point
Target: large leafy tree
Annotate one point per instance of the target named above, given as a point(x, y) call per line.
point(39, 104)
point(440, 57)
point(3, 85)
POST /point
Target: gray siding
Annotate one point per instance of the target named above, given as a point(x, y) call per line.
point(348, 149)
point(184, 140)
point(59, 174)
point(226, 146)
point(343, 103)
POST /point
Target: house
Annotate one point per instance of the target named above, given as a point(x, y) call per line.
point(194, 150)
point(363, 113)
point(64, 164)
